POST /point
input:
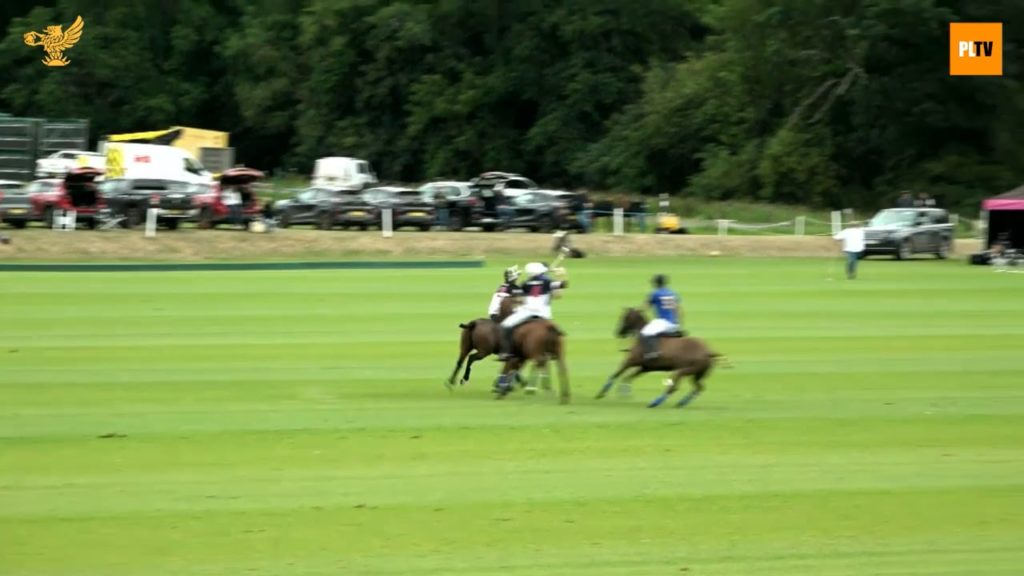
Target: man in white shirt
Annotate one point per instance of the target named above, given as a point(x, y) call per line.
point(232, 200)
point(853, 246)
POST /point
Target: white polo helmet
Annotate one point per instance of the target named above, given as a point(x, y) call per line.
point(535, 269)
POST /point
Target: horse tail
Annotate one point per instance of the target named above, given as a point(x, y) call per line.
point(468, 325)
point(722, 359)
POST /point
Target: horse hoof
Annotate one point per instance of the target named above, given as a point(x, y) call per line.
point(463, 382)
point(530, 390)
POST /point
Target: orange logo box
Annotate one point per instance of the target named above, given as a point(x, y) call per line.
point(975, 49)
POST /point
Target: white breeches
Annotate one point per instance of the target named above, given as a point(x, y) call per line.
point(658, 326)
point(521, 315)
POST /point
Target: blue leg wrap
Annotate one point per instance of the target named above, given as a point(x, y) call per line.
point(686, 399)
point(657, 401)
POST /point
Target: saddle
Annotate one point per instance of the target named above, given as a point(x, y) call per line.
point(675, 334)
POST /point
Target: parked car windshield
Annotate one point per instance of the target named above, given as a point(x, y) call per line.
point(893, 218)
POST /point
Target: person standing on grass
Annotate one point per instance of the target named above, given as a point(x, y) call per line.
point(232, 200)
point(441, 204)
point(853, 246)
point(578, 206)
point(637, 214)
point(663, 203)
point(925, 201)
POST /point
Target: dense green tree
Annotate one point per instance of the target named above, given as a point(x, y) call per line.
point(830, 102)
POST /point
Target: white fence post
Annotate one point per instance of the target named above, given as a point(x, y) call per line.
point(66, 221)
point(386, 225)
point(837, 221)
point(151, 222)
point(799, 225)
point(618, 221)
point(723, 227)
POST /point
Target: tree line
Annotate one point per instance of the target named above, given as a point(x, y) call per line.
point(820, 102)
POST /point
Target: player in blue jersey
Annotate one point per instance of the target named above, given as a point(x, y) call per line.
point(665, 304)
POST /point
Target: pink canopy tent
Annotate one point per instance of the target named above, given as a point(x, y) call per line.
point(1005, 214)
point(1012, 200)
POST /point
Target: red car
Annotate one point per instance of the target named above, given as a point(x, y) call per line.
point(77, 191)
point(216, 207)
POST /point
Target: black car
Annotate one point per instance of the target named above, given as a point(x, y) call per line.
point(903, 232)
point(325, 208)
point(347, 209)
point(410, 208)
point(131, 197)
point(15, 208)
point(544, 211)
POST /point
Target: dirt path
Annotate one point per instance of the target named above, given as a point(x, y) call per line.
point(197, 245)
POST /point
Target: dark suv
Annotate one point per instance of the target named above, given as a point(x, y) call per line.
point(174, 201)
point(475, 203)
point(410, 208)
point(903, 232)
point(544, 211)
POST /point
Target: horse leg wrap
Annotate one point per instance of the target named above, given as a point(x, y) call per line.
point(607, 386)
point(657, 401)
point(686, 399)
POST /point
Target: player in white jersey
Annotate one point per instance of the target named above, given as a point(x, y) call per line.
point(537, 289)
point(507, 288)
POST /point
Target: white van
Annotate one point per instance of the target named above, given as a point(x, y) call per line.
point(340, 172)
point(152, 161)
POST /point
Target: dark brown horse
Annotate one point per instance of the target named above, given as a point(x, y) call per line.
point(538, 341)
point(683, 356)
point(479, 340)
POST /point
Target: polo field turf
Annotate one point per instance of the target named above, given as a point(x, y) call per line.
point(295, 423)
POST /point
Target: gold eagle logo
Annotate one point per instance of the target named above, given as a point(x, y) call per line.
point(55, 41)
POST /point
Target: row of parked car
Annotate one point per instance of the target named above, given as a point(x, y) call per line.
point(125, 201)
point(491, 201)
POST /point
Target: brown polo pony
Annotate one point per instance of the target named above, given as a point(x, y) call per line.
point(538, 341)
point(480, 338)
point(683, 356)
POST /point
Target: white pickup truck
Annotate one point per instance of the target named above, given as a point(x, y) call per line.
point(57, 164)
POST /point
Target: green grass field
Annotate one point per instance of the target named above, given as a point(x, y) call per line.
point(295, 423)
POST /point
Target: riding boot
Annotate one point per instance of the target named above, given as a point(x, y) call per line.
point(506, 344)
point(650, 346)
